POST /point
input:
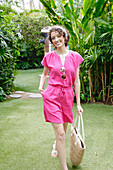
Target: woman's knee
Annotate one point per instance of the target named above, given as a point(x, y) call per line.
point(60, 134)
point(59, 131)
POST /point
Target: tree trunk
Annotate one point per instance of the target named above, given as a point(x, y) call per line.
point(103, 96)
point(90, 85)
point(105, 77)
point(109, 81)
point(108, 94)
point(97, 81)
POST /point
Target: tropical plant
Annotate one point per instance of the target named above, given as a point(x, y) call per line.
point(83, 19)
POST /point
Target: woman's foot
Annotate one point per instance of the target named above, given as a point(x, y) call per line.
point(54, 152)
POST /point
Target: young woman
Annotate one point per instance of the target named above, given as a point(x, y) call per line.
point(63, 66)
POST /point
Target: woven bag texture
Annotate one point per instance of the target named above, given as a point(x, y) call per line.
point(77, 146)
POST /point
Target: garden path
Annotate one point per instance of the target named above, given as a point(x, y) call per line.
point(24, 95)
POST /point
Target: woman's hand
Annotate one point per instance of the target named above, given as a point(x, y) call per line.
point(79, 110)
point(41, 90)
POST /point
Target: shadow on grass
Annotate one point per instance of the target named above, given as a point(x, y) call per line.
point(74, 167)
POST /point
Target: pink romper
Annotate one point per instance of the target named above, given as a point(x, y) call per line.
point(58, 95)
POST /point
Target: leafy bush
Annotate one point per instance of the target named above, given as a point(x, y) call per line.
point(31, 51)
point(8, 52)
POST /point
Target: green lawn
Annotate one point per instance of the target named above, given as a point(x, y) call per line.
point(28, 80)
point(26, 140)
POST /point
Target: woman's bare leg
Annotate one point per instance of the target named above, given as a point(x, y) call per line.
point(65, 127)
point(60, 144)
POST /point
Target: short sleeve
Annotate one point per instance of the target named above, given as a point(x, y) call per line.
point(78, 59)
point(44, 61)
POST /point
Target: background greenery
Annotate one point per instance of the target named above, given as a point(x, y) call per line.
point(19, 43)
point(31, 51)
point(90, 24)
point(8, 50)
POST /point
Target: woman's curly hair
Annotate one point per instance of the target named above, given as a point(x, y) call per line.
point(61, 31)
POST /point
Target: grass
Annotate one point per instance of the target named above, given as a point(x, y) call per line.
point(28, 80)
point(26, 140)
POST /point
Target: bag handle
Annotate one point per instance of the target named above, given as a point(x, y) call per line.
point(80, 118)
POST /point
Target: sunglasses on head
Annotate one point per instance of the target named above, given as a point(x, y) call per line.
point(62, 70)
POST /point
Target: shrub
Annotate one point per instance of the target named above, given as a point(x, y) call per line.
point(8, 52)
point(31, 51)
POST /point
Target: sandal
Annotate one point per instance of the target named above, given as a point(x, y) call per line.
point(54, 152)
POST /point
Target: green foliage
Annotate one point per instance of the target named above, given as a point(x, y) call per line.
point(90, 24)
point(2, 94)
point(8, 51)
point(31, 51)
point(19, 43)
point(7, 8)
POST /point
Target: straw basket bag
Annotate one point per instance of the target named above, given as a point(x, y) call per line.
point(77, 145)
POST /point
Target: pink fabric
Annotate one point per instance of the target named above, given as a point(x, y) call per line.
point(58, 95)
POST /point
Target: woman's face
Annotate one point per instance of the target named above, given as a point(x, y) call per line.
point(57, 39)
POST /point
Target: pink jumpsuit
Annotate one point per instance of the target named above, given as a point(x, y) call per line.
point(58, 95)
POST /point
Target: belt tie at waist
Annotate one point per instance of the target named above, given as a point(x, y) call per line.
point(62, 88)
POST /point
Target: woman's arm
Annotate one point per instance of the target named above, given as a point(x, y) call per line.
point(43, 79)
point(77, 91)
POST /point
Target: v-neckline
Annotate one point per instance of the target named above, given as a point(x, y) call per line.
point(65, 58)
